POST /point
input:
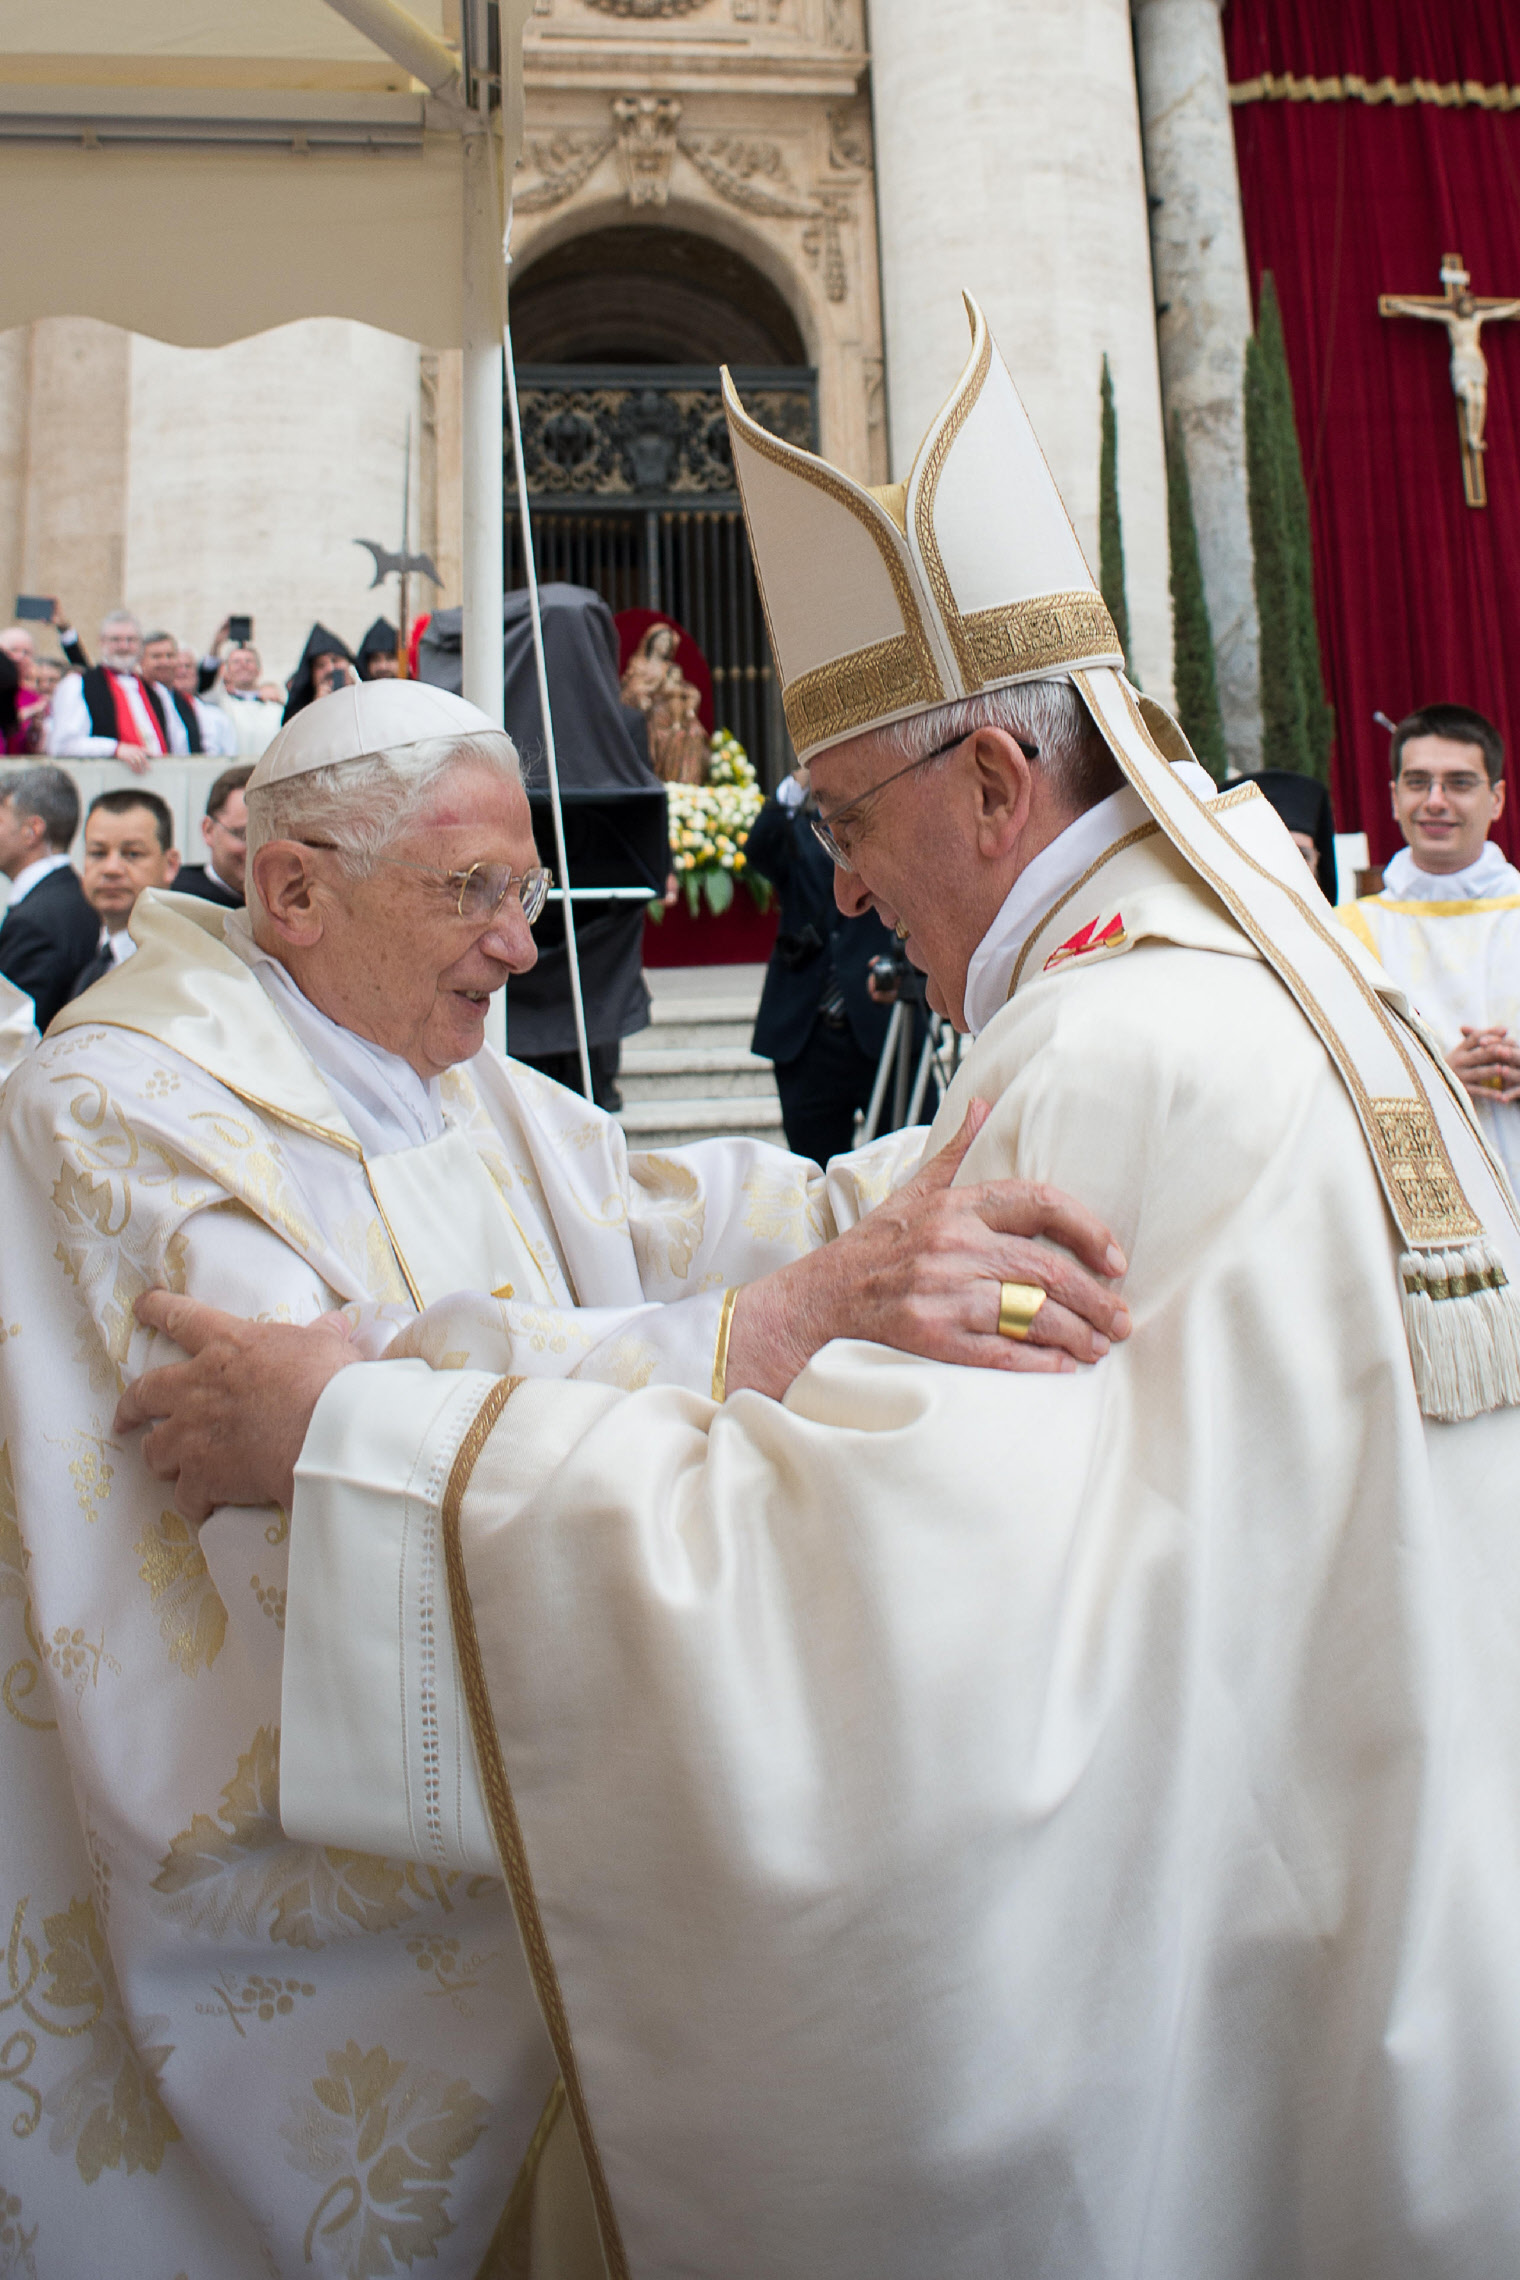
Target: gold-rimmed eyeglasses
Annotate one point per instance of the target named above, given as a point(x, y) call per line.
point(481, 890)
point(823, 826)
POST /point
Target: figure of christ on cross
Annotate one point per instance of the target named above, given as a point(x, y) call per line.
point(1464, 315)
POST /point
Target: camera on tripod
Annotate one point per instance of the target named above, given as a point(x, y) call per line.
point(897, 980)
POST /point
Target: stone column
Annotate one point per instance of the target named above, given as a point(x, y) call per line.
point(1008, 161)
point(1203, 300)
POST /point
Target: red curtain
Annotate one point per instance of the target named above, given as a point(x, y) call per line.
point(1419, 594)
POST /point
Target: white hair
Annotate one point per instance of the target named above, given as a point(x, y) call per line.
point(364, 806)
point(1076, 762)
point(120, 617)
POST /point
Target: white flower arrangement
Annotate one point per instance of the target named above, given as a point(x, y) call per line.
point(709, 824)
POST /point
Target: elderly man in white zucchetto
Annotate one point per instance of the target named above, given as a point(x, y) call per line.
point(247, 2055)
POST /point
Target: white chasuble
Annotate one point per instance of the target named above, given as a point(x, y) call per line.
point(1456, 957)
point(985, 1825)
point(223, 2053)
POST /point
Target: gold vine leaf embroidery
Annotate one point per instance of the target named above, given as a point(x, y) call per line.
point(778, 1209)
point(667, 1230)
point(191, 1616)
point(381, 2136)
point(92, 1473)
point(78, 1658)
point(16, 2243)
point(23, 1676)
point(240, 1995)
point(236, 1870)
point(107, 2110)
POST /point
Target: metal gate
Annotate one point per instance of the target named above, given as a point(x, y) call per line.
point(632, 487)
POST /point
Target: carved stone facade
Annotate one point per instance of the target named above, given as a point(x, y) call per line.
point(743, 122)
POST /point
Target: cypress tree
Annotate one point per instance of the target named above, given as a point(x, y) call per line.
point(1285, 736)
point(1319, 719)
point(1198, 712)
point(1110, 531)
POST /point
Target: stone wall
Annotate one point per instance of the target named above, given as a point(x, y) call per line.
point(741, 122)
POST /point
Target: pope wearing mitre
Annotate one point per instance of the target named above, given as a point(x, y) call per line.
point(969, 1824)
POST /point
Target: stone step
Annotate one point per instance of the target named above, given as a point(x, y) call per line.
point(681, 1029)
point(672, 1123)
point(715, 1072)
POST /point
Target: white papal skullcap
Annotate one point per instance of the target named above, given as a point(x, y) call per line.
point(364, 719)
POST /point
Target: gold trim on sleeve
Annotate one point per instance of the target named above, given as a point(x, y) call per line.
point(505, 1825)
point(720, 1352)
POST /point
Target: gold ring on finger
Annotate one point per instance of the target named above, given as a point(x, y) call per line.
point(1018, 1304)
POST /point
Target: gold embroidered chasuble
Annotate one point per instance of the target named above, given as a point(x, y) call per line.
point(222, 2052)
point(983, 1824)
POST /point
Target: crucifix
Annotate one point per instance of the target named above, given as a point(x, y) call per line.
point(1464, 315)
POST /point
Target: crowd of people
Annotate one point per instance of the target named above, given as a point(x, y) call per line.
point(149, 695)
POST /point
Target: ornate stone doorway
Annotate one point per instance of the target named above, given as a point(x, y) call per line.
point(619, 335)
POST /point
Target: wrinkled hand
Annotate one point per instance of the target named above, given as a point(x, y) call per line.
point(921, 1272)
point(227, 1425)
point(1488, 1063)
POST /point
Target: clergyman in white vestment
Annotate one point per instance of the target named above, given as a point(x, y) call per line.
point(223, 2052)
point(967, 1824)
point(1446, 925)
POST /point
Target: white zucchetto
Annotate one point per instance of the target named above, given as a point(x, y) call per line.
point(364, 719)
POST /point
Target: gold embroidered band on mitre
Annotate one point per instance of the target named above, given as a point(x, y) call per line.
point(1041, 636)
point(853, 691)
point(866, 686)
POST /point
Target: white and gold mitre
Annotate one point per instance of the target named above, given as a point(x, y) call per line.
point(967, 577)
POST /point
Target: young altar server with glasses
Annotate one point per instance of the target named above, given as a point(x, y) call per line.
point(1446, 925)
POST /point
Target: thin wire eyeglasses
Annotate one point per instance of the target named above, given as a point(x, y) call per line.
point(823, 826)
point(482, 889)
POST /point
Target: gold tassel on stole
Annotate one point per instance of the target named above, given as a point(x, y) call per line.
point(1462, 1319)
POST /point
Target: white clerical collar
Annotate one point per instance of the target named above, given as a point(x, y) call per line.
point(388, 1106)
point(1404, 881)
point(1037, 886)
point(32, 875)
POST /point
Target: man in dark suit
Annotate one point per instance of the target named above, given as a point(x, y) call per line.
point(818, 1020)
point(50, 932)
point(225, 830)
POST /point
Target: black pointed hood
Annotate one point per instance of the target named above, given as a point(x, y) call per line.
point(320, 642)
point(380, 641)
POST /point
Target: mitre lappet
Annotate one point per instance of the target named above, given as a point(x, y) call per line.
point(968, 577)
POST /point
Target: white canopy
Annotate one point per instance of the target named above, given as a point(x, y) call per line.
point(205, 169)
